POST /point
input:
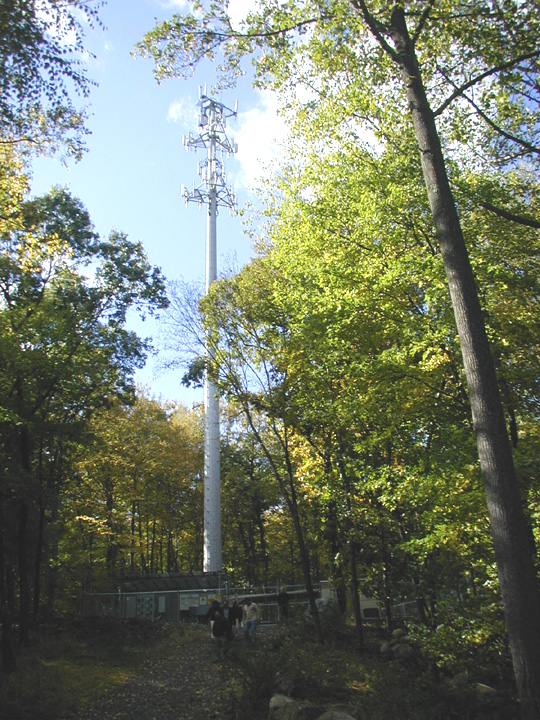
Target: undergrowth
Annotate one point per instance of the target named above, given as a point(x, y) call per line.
point(68, 664)
point(340, 675)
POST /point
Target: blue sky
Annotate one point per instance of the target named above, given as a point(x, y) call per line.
point(131, 176)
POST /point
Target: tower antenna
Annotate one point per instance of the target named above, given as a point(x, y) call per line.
point(213, 192)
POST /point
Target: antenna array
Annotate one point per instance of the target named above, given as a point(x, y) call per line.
point(213, 192)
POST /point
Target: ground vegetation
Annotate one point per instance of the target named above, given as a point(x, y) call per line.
point(105, 669)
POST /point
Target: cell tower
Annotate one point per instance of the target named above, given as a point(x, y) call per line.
point(213, 191)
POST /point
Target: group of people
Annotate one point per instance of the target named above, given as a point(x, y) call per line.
point(224, 620)
point(227, 620)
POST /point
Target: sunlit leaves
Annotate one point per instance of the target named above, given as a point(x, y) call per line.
point(134, 503)
point(41, 51)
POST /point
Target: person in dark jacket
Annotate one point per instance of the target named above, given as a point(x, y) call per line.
point(214, 608)
point(235, 617)
point(220, 632)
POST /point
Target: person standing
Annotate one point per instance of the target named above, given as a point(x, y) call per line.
point(211, 615)
point(235, 617)
point(283, 604)
point(251, 618)
point(220, 632)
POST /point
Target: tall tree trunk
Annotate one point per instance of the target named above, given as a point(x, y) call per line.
point(354, 584)
point(153, 547)
point(40, 536)
point(332, 537)
point(292, 502)
point(53, 547)
point(306, 568)
point(23, 515)
point(289, 493)
point(9, 663)
point(171, 555)
point(50, 528)
point(388, 602)
point(144, 567)
point(132, 538)
point(38, 560)
point(22, 541)
point(24, 586)
point(112, 546)
point(355, 594)
point(262, 542)
point(519, 587)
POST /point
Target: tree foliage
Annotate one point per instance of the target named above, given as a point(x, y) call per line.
point(64, 353)
point(42, 67)
point(438, 65)
point(134, 503)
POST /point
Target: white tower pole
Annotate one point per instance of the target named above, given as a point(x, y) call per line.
point(212, 561)
point(213, 192)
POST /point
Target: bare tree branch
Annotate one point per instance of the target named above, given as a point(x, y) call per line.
point(520, 219)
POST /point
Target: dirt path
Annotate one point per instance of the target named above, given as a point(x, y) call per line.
point(188, 685)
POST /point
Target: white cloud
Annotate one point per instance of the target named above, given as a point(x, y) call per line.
point(261, 134)
point(238, 9)
point(173, 4)
point(184, 112)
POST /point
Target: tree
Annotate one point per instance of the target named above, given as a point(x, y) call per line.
point(64, 352)
point(249, 496)
point(248, 373)
point(134, 502)
point(370, 334)
point(410, 53)
point(41, 63)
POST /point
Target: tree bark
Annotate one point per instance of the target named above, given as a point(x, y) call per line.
point(262, 542)
point(332, 537)
point(304, 559)
point(355, 594)
point(152, 546)
point(519, 587)
point(38, 561)
point(24, 586)
point(9, 663)
point(22, 542)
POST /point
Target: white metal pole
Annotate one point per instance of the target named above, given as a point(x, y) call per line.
point(213, 192)
point(212, 560)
